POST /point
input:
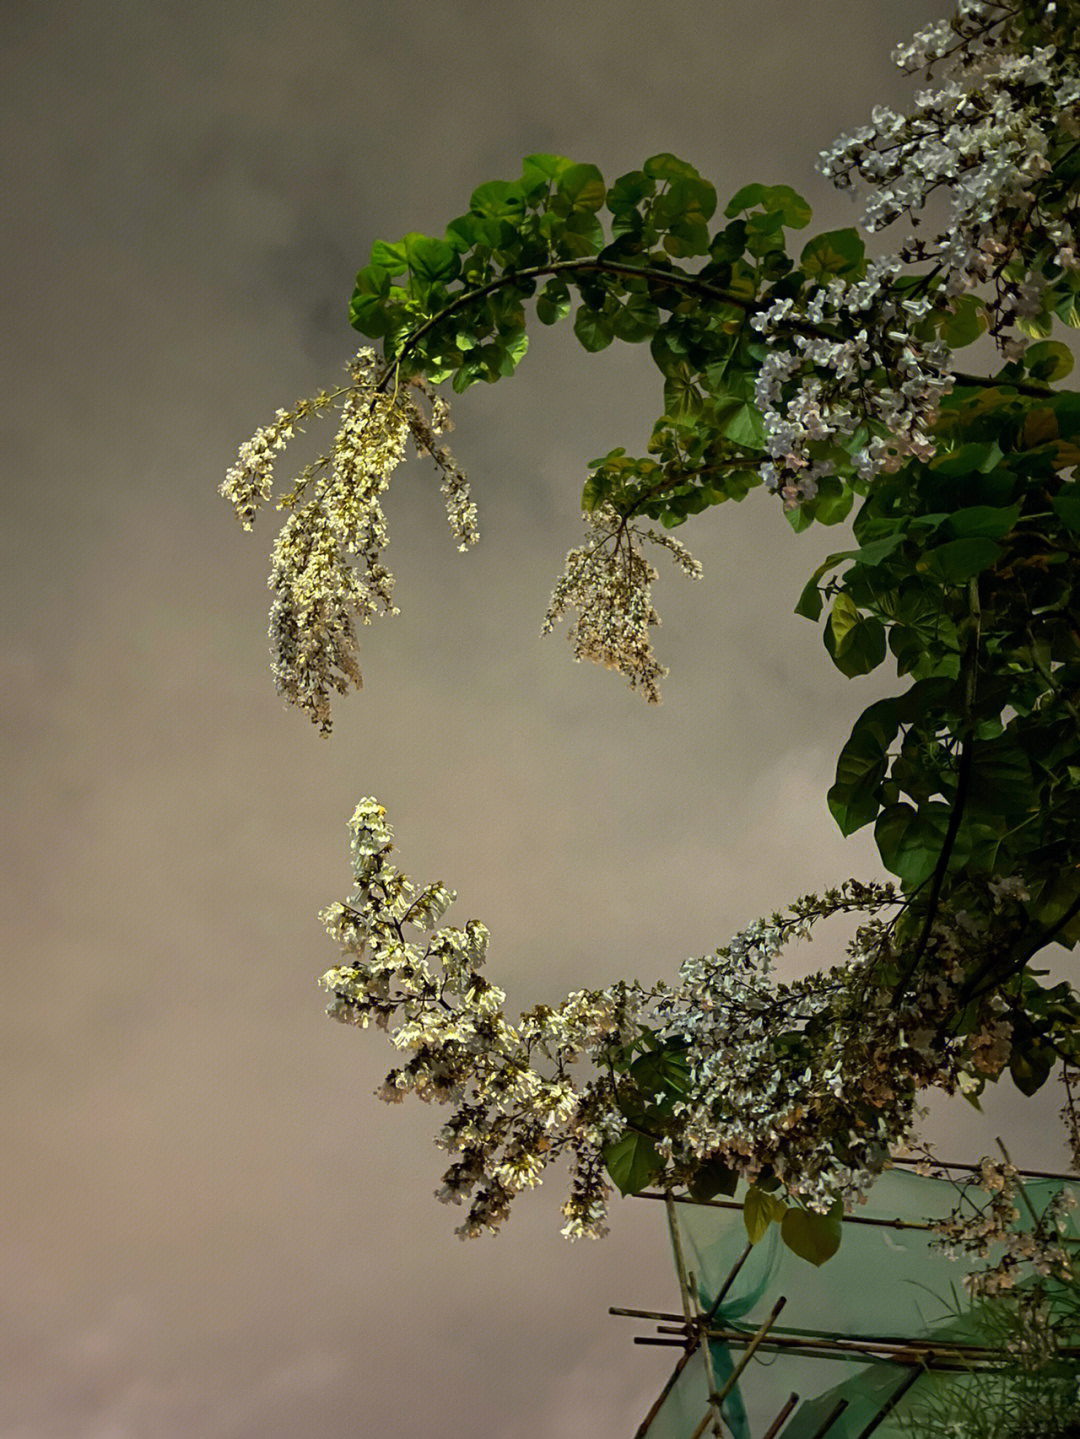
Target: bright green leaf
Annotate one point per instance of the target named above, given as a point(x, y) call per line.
point(759, 1211)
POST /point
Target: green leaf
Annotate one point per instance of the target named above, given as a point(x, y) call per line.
point(856, 644)
point(662, 1069)
point(391, 258)
point(581, 187)
point(682, 398)
point(553, 302)
point(968, 459)
point(1066, 505)
point(811, 1236)
point(1048, 360)
point(1067, 310)
point(498, 200)
point(964, 323)
point(636, 319)
point(367, 309)
point(632, 1162)
point(1031, 1062)
point(909, 841)
point(960, 560)
point(538, 172)
point(991, 522)
point(810, 602)
point(629, 190)
point(834, 252)
point(431, 259)
point(668, 167)
point(855, 797)
point(1001, 781)
point(739, 421)
point(712, 1178)
point(759, 1211)
point(592, 329)
point(795, 213)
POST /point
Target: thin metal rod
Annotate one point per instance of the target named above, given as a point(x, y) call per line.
point(658, 1340)
point(774, 1427)
point(892, 1401)
point(830, 1419)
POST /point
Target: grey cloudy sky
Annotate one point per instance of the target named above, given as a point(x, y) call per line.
point(211, 1229)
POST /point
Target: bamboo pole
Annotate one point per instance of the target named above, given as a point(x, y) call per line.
point(736, 1373)
point(774, 1427)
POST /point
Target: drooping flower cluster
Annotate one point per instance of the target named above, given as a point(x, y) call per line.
point(995, 138)
point(854, 361)
point(818, 1080)
point(327, 566)
point(609, 582)
point(1030, 1257)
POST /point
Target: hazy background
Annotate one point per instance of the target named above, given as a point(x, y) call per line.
point(212, 1230)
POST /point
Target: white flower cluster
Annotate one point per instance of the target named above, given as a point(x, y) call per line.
point(516, 1106)
point(850, 362)
point(982, 138)
point(609, 583)
point(815, 390)
point(1031, 1255)
point(817, 1079)
point(327, 564)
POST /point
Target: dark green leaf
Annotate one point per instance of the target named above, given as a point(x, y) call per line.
point(592, 329)
point(811, 1236)
point(960, 560)
point(834, 252)
point(553, 302)
point(632, 1162)
point(635, 319)
point(1031, 1062)
point(855, 797)
point(856, 643)
point(629, 190)
point(712, 1178)
point(810, 602)
point(1048, 360)
point(909, 841)
point(983, 521)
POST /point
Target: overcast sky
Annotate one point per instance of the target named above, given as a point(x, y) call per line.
point(212, 1230)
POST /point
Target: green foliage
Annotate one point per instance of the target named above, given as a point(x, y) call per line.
point(963, 572)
